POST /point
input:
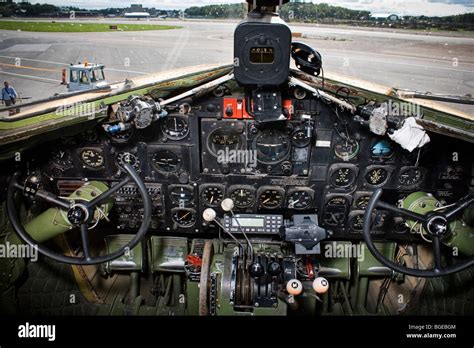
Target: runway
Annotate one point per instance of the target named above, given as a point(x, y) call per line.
point(436, 62)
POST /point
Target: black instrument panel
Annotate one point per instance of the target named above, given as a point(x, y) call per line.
point(313, 163)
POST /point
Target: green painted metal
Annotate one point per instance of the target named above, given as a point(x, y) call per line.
point(131, 261)
point(461, 236)
point(23, 134)
point(167, 254)
point(336, 265)
point(46, 226)
point(368, 265)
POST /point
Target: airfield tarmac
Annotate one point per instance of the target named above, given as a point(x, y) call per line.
point(435, 62)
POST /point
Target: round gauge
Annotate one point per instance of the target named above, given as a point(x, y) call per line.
point(166, 161)
point(224, 139)
point(212, 196)
point(337, 201)
point(347, 150)
point(90, 136)
point(410, 177)
point(184, 217)
point(377, 176)
point(382, 149)
point(92, 158)
point(343, 178)
point(271, 198)
point(129, 158)
point(175, 128)
point(300, 138)
point(272, 146)
point(122, 137)
point(182, 195)
point(336, 211)
point(300, 199)
point(243, 197)
point(357, 223)
point(62, 159)
point(363, 202)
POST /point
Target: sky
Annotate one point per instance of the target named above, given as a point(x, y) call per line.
point(400, 7)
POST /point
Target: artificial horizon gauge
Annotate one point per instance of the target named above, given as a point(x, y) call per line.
point(271, 198)
point(166, 161)
point(184, 217)
point(300, 199)
point(377, 176)
point(347, 150)
point(382, 149)
point(410, 177)
point(182, 195)
point(93, 158)
point(243, 197)
point(343, 178)
point(129, 158)
point(212, 196)
point(175, 128)
point(272, 146)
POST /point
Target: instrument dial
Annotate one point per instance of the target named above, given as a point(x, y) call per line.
point(212, 196)
point(382, 149)
point(272, 146)
point(184, 217)
point(363, 202)
point(225, 139)
point(377, 176)
point(129, 158)
point(243, 197)
point(166, 161)
point(300, 199)
point(347, 150)
point(357, 223)
point(343, 178)
point(62, 159)
point(410, 177)
point(300, 138)
point(336, 211)
point(271, 198)
point(175, 128)
point(182, 195)
point(92, 158)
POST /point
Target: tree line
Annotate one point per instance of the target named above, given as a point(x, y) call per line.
point(307, 12)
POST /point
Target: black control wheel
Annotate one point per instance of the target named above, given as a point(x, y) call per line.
point(79, 214)
point(435, 223)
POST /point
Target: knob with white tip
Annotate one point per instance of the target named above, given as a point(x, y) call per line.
point(227, 204)
point(294, 287)
point(320, 285)
point(209, 215)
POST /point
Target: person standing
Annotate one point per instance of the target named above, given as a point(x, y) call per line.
point(9, 96)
